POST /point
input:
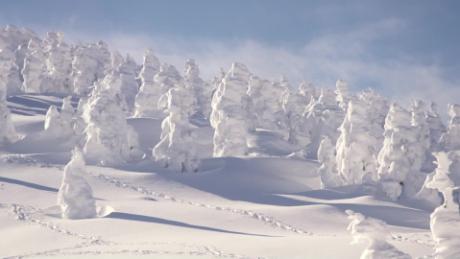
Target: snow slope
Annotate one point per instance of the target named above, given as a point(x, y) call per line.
point(261, 207)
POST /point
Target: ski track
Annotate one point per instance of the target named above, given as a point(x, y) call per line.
point(418, 238)
point(122, 184)
point(25, 214)
point(158, 195)
point(88, 248)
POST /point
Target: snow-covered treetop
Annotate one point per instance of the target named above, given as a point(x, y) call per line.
point(397, 117)
point(366, 229)
point(327, 99)
point(342, 93)
point(441, 180)
point(150, 66)
point(11, 37)
point(128, 66)
point(450, 140)
point(192, 70)
point(116, 60)
point(454, 114)
point(150, 59)
point(6, 61)
point(238, 70)
point(54, 38)
point(76, 164)
point(307, 89)
point(377, 105)
point(418, 112)
point(256, 86)
point(168, 74)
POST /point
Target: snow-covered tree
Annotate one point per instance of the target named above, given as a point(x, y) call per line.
point(269, 113)
point(109, 138)
point(7, 131)
point(178, 147)
point(295, 104)
point(375, 233)
point(200, 88)
point(230, 115)
point(341, 90)
point(128, 70)
point(394, 158)
point(328, 166)
point(58, 63)
point(450, 140)
point(79, 124)
point(60, 123)
point(428, 126)
point(324, 117)
point(150, 67)
point(75, 196)
point(445, 220)
point(13, 42)
point(437, 128)
point(147, 101)
point(421, 149)
point(361, 135)
point(90, 64)
point(35, 72)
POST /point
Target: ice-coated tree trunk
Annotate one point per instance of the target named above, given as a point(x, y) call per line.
point(75, 196)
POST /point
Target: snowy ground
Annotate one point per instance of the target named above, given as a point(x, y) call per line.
point(236, 208)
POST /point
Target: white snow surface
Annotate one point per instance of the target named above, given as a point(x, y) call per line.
point(262, 207)
point(236, 167)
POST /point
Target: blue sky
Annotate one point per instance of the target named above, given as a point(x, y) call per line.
point(404, 49)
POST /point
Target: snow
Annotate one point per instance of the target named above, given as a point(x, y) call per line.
point(148, 99)
point(109, 138)
point(75, 196)
point(230, 115)
point(239, 166)
point(375, 233)
point(360, 139)
point(446, 217)
point(236, 207)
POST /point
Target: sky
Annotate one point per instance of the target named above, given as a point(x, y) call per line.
point(403, 49)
